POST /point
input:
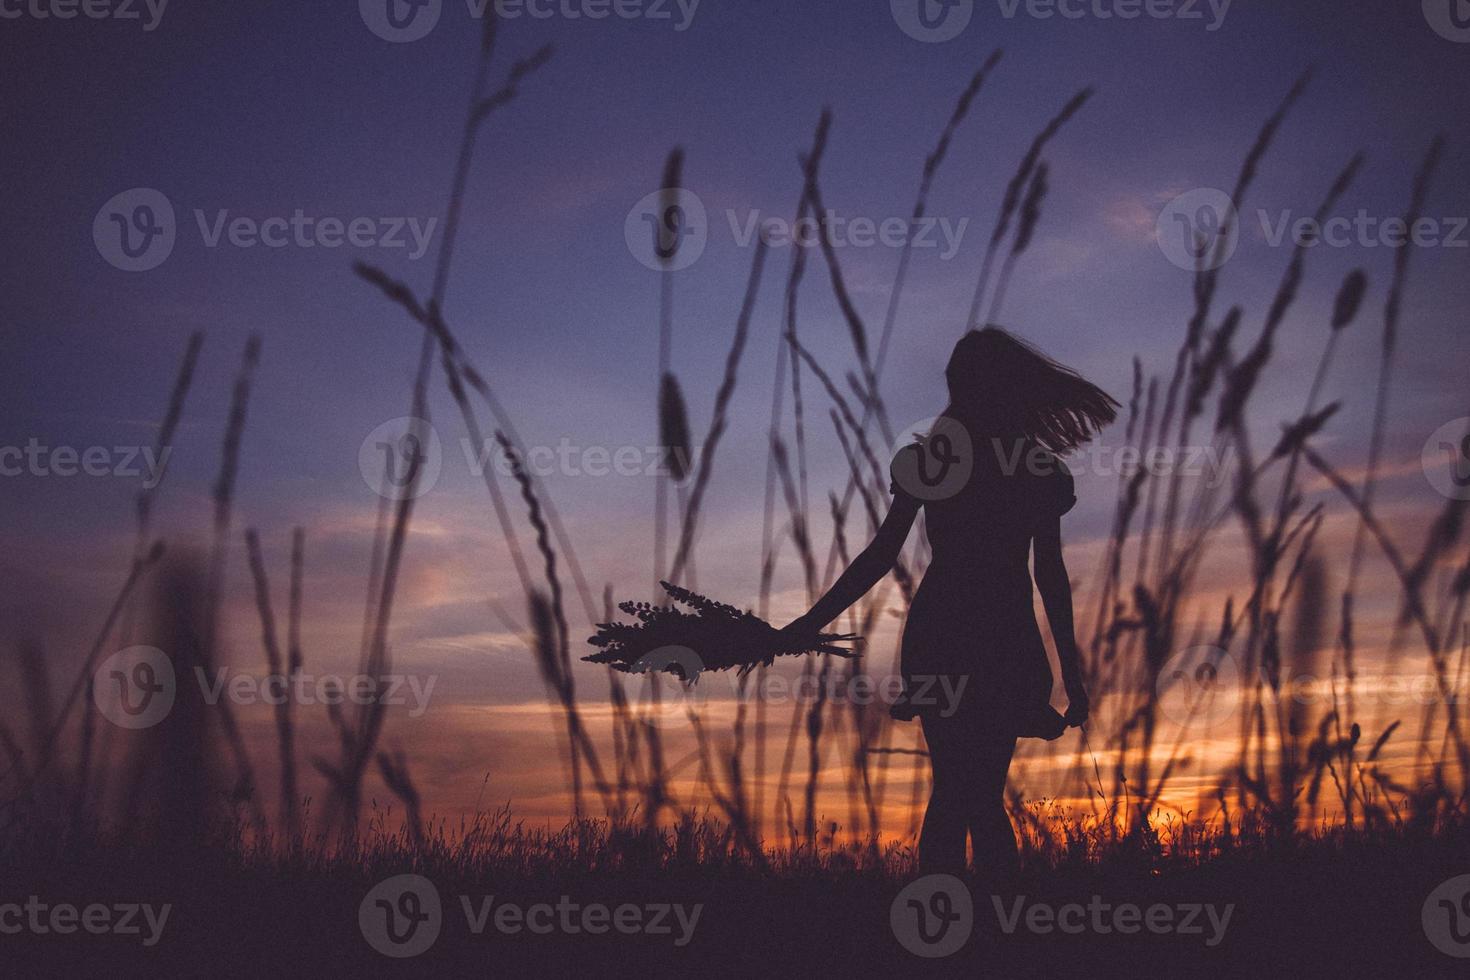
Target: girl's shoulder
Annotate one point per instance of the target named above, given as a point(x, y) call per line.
point(1057, 490)
point(935, 466)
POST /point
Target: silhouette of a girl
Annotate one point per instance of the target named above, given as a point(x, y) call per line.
point(975, 668)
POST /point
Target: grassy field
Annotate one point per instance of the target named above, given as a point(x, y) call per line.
point(1330, 904)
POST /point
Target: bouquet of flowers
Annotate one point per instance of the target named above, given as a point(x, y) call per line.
point(712, 636)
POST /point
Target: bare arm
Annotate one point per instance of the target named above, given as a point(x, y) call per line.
point(1056, 596)
point(875, 561)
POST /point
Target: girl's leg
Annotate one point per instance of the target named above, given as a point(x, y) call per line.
point(991, 834)
point(942, 839)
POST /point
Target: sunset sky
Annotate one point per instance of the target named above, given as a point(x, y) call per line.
point(262, 110)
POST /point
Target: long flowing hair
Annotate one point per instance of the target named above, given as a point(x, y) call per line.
point(1001, 385)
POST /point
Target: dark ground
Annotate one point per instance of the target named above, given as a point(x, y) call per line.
point(1338, 912)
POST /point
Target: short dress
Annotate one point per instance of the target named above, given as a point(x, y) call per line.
point(973, 618)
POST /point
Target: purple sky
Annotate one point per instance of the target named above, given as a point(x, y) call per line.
point(263, 109)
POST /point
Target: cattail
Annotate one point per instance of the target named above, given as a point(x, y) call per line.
point(855, 326)
point(1030, 217)
point(836, 396)
point(1012, 199)
point(961, 109)
point(279, 666)
point(722, 405)
point(224, 487)
point(1308, 631)
point(171, 418)
point(1349, 299)
point(1296, 434)
point(223, 494)
point(293, 629)
point(1208, 367)
point(1031, 208)
point(511, 88)
point(1417, 197)
point(673, 428)
point(666, 235)
point(551, 640)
